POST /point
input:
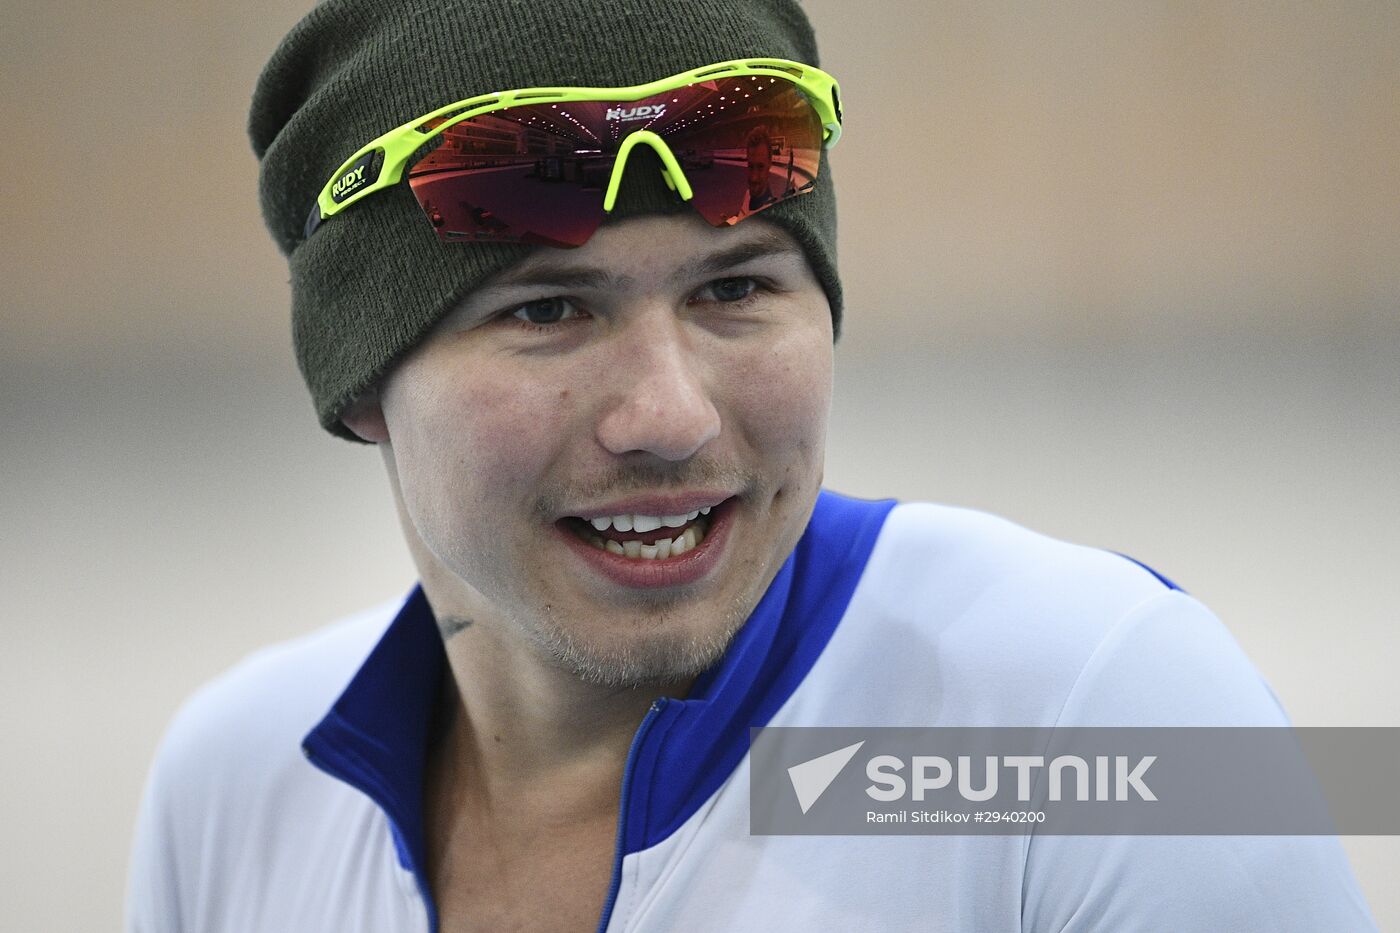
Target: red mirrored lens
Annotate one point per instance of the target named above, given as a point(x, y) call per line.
point(538, 173)
point(753, 142)
point(522, 174)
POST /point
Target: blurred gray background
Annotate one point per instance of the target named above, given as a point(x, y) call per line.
point(1126, 273)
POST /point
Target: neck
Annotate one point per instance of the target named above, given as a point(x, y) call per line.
point(521, 719)
point(521, 731)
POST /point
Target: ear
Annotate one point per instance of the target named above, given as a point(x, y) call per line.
point(365, 417)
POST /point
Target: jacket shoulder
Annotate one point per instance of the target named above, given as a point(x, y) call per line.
point(971, 619)
point(245, 727)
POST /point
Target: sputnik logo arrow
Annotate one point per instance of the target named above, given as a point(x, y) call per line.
point(811, 778)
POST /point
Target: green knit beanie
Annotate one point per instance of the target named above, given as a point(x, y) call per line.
point(373, 279)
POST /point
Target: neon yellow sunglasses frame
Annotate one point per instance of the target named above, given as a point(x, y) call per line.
point(355, 178)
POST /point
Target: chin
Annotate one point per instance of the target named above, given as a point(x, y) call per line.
point(663, 650)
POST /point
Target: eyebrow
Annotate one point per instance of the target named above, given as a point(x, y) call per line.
point(580, 277)
point(769, 243)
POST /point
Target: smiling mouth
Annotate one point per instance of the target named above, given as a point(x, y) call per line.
point(644, 537)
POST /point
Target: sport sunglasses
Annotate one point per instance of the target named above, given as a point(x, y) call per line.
point(544, 165)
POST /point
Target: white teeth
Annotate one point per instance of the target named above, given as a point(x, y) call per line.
point(662, 549)
point(645, 523)
point(666, 547)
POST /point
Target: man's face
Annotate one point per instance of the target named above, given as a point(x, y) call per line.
point(760, 164)
point(663, 369)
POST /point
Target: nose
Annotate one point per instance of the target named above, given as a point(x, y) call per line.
point(662, 405)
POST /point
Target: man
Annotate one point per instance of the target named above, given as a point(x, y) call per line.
point(603, 424)
point(759, 158)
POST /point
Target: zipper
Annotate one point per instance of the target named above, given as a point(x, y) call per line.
point(637, 739)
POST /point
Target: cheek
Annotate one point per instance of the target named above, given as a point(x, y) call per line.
point(471, 445)
point(784, 400)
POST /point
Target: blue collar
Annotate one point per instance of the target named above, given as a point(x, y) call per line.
point(376, 736)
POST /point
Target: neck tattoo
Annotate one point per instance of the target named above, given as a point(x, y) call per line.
point(451, 625)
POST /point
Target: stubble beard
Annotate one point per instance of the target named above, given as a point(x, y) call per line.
point(656, 655)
